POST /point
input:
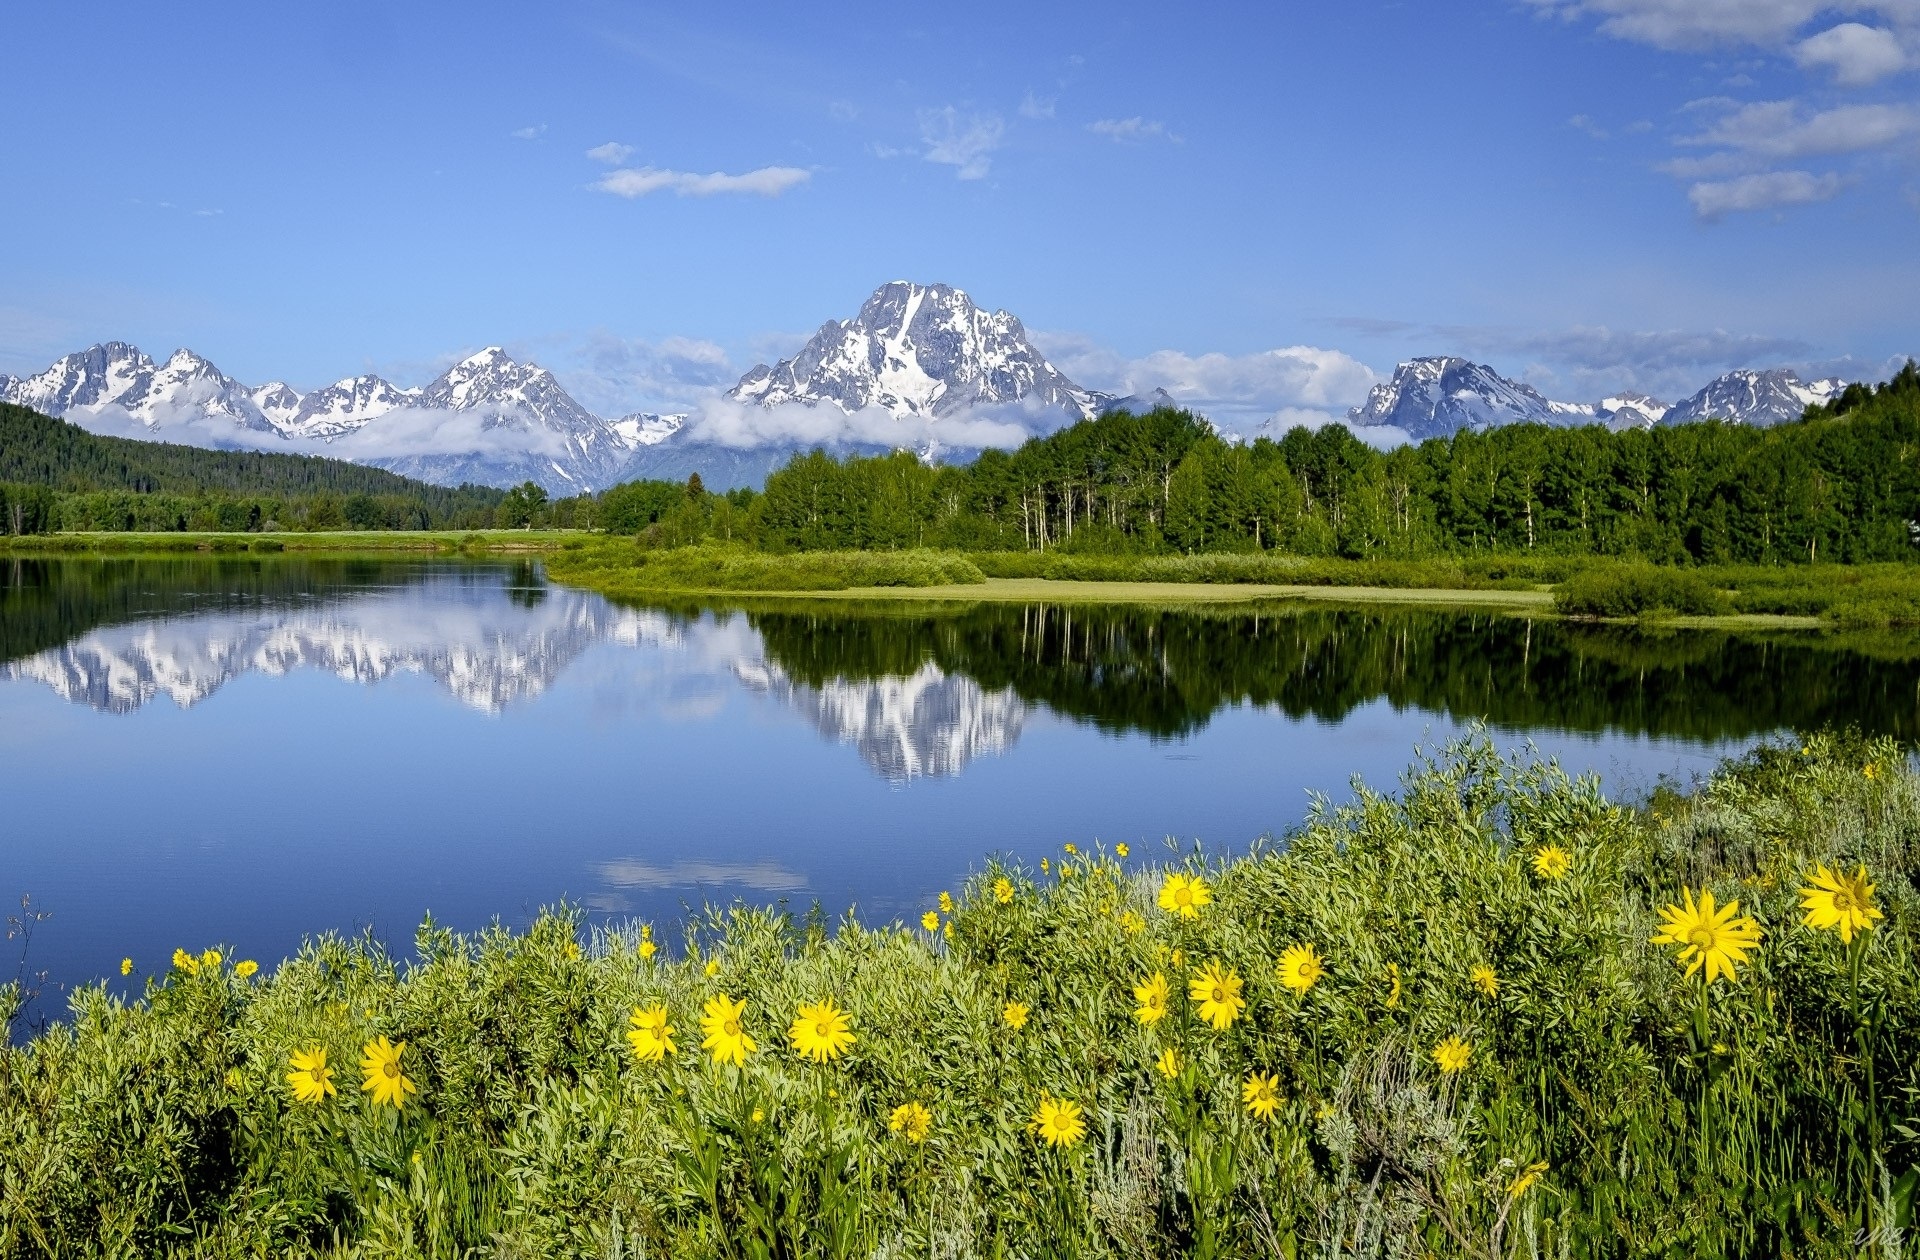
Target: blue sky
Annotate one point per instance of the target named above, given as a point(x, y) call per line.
point(1593, 194)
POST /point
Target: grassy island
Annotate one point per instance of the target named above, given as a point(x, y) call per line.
point(1493, 1015)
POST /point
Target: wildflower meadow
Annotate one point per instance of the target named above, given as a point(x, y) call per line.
point(1489, 1014)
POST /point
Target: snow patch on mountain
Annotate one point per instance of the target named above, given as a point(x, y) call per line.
point(917, 350)
point(1755, 397)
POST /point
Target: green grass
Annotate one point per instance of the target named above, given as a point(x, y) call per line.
point(1639, 591)
point(622, 569)
point(1763, 1117)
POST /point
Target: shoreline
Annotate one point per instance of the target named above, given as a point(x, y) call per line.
point(1536, 601)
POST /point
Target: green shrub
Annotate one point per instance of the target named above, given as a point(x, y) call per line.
point(1637, 591)
point(1611, 1104)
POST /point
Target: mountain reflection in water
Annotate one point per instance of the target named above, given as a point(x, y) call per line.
point(924, 689)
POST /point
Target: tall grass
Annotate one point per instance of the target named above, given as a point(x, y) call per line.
point(620, 568)
point(1604, 1111)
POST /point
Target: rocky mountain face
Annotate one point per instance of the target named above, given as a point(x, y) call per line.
point(1759, 398)
point(918, 350)
point(1439, 397)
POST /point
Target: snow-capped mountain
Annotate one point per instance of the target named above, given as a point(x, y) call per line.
point(917, 350)
point(93, 377)
point(1758, 398)
point(514, 421)
point(645, 428)
point(1440, 396)
point(528, 429)
point(343, 407)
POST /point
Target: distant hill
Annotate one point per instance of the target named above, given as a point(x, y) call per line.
point(39, 450)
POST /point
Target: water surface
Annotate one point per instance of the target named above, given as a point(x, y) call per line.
point(246, 751)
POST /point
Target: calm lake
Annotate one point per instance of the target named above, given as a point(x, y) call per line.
point(243, 752)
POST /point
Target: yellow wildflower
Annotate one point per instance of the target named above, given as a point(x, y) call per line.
point(946, 929)
point(311, 1078)
point(720, 1020)
point(1015, 1015)
point(651, 1036)
point(246, 969)
point(1121, 850)
point(1393, 986)
point(1552, 862)
point(1261, 1094)
point(1184, 895)
point(210, 959)
point(1131, 923)
point(382, 1077)
point(712, 968)
point(1300, 968)
point(1003, 890)
point(186, 962)
point(912, 1120)
point(1058, 1121)
point(946, 902)
point(1707, 936)
point(1484, 979)
point(1068, 846)
point(1834, 899)
point(1525, 1181)
point(1168, 1064)
point(1151, 994)
point(758, 1115)
point(822, 1031)
point(930, 920)
point(1453, 1055)
point(126, 966)
point(647, 949)
point(1217, 990)
point(572, 951)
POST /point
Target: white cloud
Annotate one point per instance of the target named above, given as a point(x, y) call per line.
point(615, 376)
point(529, 133)
point(1856, 54)
point(1761, 191)
point(1037, 107)
point(1580, 122)
point(767, 181)
point(725, 422)
point(842, 111)
point(966, 141)
point(1234, 389)
point(1695, 24)
point(1122, 130)
point(1776, 129)
point(612, 152)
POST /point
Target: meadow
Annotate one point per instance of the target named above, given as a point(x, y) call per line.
point(1490, 1014)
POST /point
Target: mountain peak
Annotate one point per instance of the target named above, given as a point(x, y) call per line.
point(917, 350)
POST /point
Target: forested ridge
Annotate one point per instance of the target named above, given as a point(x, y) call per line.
point(57, 475)
point(1842, 483)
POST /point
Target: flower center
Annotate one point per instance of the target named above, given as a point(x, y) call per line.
point(390, 1069)
point(319, 1075)
point(731, 1028)
point(1183, 897)
point(1701, 938)
point(1842, 900)
point(823, 1029)
point(1219, 995)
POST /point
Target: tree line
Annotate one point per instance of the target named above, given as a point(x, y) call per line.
point(1842, 483)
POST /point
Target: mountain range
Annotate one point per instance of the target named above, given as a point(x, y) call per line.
point(1437, 397)
point(919, 366)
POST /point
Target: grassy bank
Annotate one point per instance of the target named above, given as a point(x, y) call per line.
point(1486, 1053)
point(318, 542)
